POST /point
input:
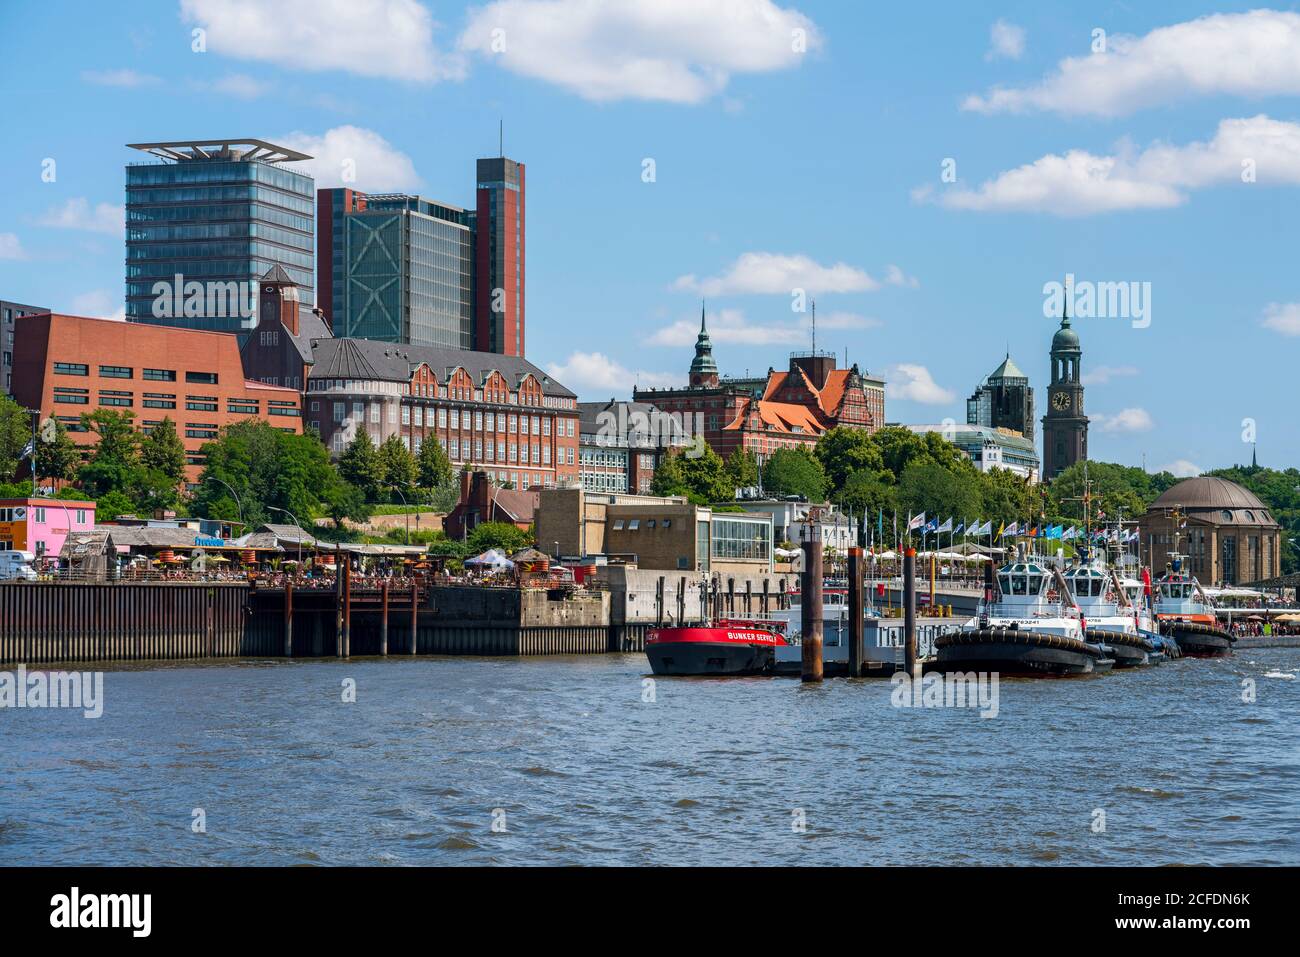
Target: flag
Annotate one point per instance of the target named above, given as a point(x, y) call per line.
point(1012, 529)
point(957, 531)
point(1002, 529)
point(946, 526)
point(987, 528)
point(1069, 533)
point(30, 447)
point(931, 526)
point(914, 523)
point(880, 523)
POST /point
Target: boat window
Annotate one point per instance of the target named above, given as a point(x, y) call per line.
point(1019, 585)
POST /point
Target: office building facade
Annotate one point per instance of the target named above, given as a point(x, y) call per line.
point(499, 257)
point(332, 208)
point(1003, 401)
point(408, 273)
point(218, 214)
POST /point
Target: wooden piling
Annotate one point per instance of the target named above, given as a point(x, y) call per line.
point(933, 560)
point(810, 606)
point(338, 602)
point(909, 611)
point(856, 613)
point(415, 613)
point(383, 619)
point(288, 619)
point(346, 643)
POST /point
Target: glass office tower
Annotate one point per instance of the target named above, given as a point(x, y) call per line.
point(409, 272)
point(214, 212)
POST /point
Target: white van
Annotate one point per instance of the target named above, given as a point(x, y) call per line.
point(17, 566)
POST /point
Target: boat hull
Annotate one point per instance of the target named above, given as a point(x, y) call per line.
point(1017, 653)
point(704, 658)
point(1196, 640)
point(1128, 650)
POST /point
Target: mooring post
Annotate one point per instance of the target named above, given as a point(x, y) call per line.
point(909, 611)
point(415, 612)
point(346, 644)
point(288, 619)
point(383, 619)
point(856, 612)
point(932, 571)
point(338, 602)
point(810, 603)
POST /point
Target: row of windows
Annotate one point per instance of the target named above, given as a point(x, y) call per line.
point(127, 372)
point(460, 393)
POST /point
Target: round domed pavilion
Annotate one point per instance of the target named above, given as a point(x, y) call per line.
point(1228, 535)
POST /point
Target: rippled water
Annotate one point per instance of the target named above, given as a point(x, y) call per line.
point(711, 772)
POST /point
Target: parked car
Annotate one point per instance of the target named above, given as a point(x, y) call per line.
point(17, 566)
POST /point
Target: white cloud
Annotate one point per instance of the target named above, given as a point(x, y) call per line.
point(1253, 54)
point(780, 274)
point(731, 326)
point(1283, 317)
point(76, 213)
point(896, 277)
point(1104, 374)
point(392, 39)
point(1125, 420)
point(127, 79)
point(98, 304)
point(681, 51)
point(10, 247)
point(1081, 184)
point(1006, 41)
point(373, 163)
point(597, 375)
point(915, 384)
point(1181, 468)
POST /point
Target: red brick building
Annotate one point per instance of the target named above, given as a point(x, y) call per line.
point(492, 413)
point(483, 500)
point(67, 365)
point(782, 410)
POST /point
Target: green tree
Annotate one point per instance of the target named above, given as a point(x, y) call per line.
point(15, 433)
point(434, 467)
point(57, 456)
point(702, 478)
point(398, 465)
point(900, 447)
point(742, 468)
point(795, 472)
point(844, 451)
point(940, 491)
point(1115, 490)
point(162, 451)
point(669, 478)
point(867, 492)
point(114, 465)
point(501, 535)
point(360, 465)
point(1006, 497)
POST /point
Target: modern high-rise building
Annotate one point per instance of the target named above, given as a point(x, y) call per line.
point(218, 214)
point(499, 258)
point(332, 207)
point(1004, 401)
point(408, 273)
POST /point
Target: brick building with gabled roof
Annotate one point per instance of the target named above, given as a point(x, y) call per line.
point(786, 409)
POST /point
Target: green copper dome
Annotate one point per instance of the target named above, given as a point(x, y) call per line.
point(1066, 339)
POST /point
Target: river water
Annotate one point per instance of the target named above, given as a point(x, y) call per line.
point(574, 766)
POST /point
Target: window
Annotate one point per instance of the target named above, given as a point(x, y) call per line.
point(116, 372)
point(160, 375)
point(375, 413)
point(478, 421)
point(340, 411)
point(406, 415)
point(113, 397)
point(200, 430)
point(419, 415)
point(209, 378)
point(242, 406)
point(442, 418)
point(489, 424)
point(72, 396)
point(71, 368)
point(650, 523)
point(618, 525)
point(455, 419)
point(546, 426)
point(537, 425)
point(201, 403)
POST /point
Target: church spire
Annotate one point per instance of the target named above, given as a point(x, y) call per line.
point(704, 371)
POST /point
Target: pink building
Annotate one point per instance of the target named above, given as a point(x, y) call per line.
point(39, 525)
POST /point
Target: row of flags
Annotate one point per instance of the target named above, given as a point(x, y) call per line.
point(918, 523)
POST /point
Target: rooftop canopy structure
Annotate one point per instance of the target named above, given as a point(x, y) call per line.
point(245, 149)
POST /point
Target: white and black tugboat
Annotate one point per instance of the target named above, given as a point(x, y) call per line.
point(1027, 625)
point(1109, 615)
point(1187, 614)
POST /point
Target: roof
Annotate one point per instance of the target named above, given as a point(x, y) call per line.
point(245, 149)
point(151, 536)
point(1007, 370)
point(289, 533)
point(782, 416)
point(1209, 493)
point(634, 424)
point(395, 362)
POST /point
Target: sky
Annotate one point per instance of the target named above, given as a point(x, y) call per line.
point(923, 171)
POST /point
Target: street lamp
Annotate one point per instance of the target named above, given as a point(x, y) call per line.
point(272, 508)
point(238, 504)
point(406, 511)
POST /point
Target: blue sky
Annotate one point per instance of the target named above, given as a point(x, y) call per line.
point(794, 145)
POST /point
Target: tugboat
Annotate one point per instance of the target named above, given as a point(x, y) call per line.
point(1028, 626)
point(1139, 595)
point(728, 646)
point(1109, 615)
point(1187, 615)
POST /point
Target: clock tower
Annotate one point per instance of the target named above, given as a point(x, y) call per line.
point(1065, 427)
